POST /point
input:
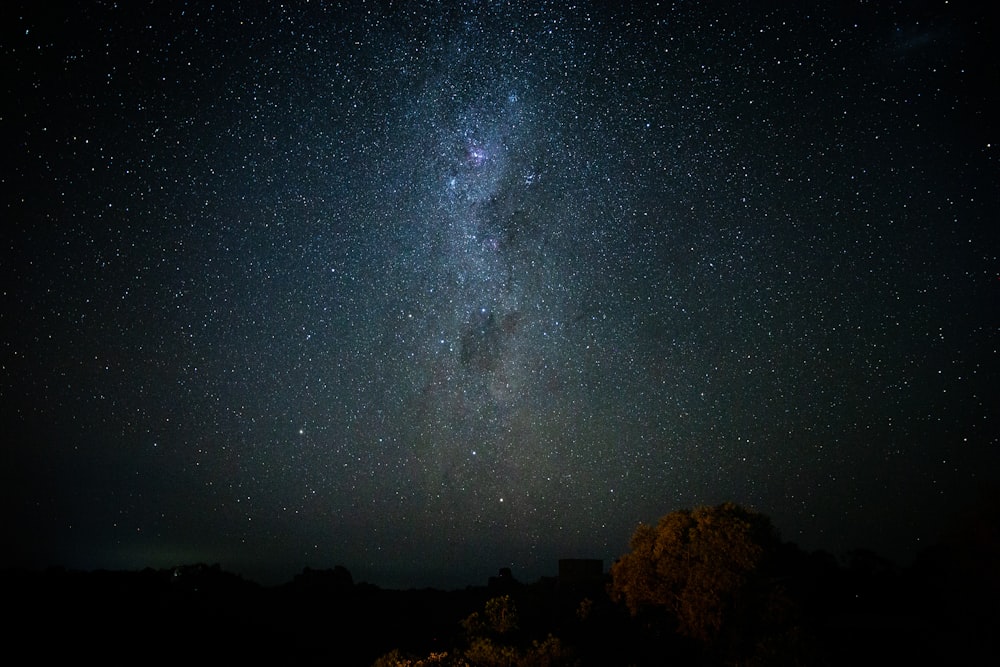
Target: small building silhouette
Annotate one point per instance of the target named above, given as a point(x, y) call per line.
point(503, 581)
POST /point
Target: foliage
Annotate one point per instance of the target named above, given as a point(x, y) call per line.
point(549, 652)
point(490, 644)
point(501, 614)
point(395, 658)
point(498, 618)
point(585, 609)
point(484, 652)
point(701, 566)
point(474, 624)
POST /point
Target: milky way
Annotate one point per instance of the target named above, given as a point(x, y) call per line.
point(432, 289)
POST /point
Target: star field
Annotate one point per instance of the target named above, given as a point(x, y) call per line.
point(427, 289)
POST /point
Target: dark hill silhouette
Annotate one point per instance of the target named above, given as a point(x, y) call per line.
point(861, 609)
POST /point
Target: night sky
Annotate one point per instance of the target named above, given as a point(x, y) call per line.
point(430, 289)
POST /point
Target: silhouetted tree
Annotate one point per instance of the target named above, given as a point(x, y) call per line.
point(705, 567)
point(501, 614)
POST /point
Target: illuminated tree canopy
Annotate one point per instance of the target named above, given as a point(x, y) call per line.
point(703, 566)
